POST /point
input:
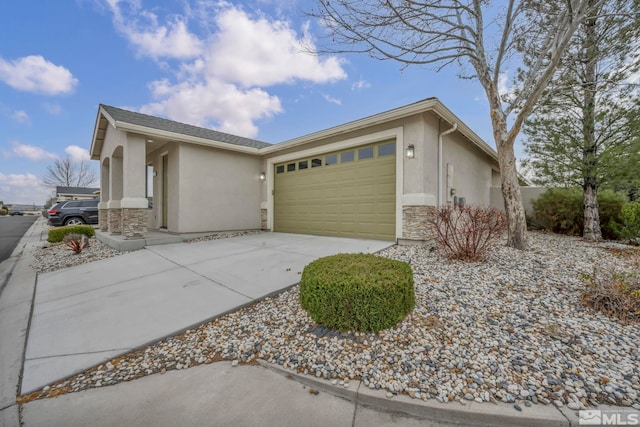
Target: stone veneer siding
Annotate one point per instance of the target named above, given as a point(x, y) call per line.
point(103, 219)
point(414, 223)
point(263, 219)
point(134, 222)
point(115, 221)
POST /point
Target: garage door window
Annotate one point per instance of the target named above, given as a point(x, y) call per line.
point(387, 149)
point(365, 153)
point(280, 169)
point(316, 162)
point(331, 160)
point(291, 167)
point(347, 156)
point(303, 165)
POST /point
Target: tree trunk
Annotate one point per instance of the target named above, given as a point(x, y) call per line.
point(591, 215)
point(516, 219)
point(589, 153)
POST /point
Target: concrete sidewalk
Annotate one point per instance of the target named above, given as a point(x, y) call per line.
point(91, 313)
point(208, 395)
point(221, 395)
point(15, 310)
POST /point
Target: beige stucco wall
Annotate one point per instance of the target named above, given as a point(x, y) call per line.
point(466, 169)
point(219, 190)
point(529, 194)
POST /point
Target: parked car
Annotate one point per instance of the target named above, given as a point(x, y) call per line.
point(74, 212)
point(14, 213)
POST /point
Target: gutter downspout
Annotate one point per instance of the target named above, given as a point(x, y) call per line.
point(440, 168)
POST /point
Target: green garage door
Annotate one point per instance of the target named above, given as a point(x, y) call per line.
point(349, 193)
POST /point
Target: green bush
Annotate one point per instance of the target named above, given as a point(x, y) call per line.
point(561, 210)
point(57, 234)
point(630, 222)
point(357, 292)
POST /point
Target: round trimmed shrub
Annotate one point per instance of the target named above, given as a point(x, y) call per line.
point(357, 292)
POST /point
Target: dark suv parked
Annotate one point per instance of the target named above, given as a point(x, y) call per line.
point(74, 212)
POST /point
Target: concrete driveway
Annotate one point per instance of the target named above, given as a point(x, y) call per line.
point(88, 314)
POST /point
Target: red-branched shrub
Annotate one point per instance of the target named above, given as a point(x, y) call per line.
point(468, 232)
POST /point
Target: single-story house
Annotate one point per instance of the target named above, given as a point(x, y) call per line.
point(76, 193)
point(377, 177)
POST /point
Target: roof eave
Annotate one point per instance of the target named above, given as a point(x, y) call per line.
point(446, 114)
point(172, 136)
point(431, 104)
point(353, 125)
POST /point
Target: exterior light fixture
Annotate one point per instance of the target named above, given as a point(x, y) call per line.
point(410, 151)
point(263, 176)
point(150, 141)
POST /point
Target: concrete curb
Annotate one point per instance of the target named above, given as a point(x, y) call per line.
point(16, 302)
point(480, 414)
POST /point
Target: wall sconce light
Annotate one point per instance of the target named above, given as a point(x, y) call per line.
point(263, 176)
point(410, 151)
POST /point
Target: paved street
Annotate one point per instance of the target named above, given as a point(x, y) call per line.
point(12, 228)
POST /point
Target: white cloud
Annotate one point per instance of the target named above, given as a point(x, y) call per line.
point(20, 180)
point(331, 99)
point(220, 80)
point(30, 152)
point(21, 116)
point(142, 30)
point(35, 74)
point(213, 103)
point(23, 189)
point(360, 84)
point(260, 52)
point(77, 154)
point(53, 109)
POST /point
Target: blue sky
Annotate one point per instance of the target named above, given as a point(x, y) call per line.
point(238, 67)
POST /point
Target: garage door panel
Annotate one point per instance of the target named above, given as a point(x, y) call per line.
point(354, 199)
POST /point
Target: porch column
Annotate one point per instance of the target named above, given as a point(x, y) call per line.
point(115, 193)
point(134, 203)
point(103, 208)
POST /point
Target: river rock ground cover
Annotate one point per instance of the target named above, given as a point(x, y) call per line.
point(511, 329)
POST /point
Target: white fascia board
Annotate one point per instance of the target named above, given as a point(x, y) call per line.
point(370, 121)
point(441, 110)
point(171, 136)
point(101, 113)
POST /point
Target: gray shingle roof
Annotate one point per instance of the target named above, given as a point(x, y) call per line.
point(145, 120)
point(76, 190)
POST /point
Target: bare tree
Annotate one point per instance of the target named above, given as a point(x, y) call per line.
point(490, 36)
point(67, 173)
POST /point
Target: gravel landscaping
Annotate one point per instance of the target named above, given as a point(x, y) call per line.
point(511, 329)
point(54, 256)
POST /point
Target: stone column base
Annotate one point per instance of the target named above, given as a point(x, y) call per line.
point(103, 219)
point(263, 219)
point(414, 223)
point(115, 221)
point(134, 222)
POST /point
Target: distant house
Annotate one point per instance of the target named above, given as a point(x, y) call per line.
point(76, 193)
point(378, 177)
